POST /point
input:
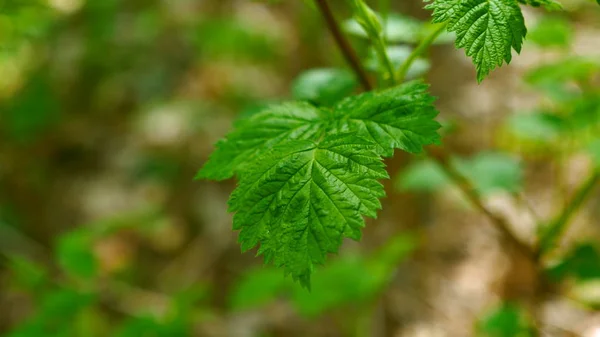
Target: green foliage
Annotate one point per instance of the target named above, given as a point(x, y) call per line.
point(508, 320)
point(55, 314)
point(75, 255)
point(302, 198)
point(581, 263)
point(489, 172)
point(27, 274)
point(347, 282)
point(400, 117)
point(297, 197)
point(31, 112)
point(551, 32)
point(324, 86)
point(539, 127)
point(486, 29)
point(573, 68)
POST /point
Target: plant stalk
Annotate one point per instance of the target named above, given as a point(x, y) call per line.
point(343, 44)
point(418, 51)
point(559, 225)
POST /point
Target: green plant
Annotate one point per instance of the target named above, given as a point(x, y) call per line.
point(308, 172)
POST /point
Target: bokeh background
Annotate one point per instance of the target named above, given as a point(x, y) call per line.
point(109, 107)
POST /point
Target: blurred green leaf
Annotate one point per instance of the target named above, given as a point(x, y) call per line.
point(397, 55)
point(258, 288)
point(351, 281)
point(74, 253)
point(32, 111)
point(27, 274)
point(551, 32)
point(508, 320)
point(348, 281)
point(324, 86)
point(491, 172)
point(227, 37)
point(423, 175)
point(581, 263)
point(594, 149)
point(55, 314)
point(543, 127)
point(576, 68)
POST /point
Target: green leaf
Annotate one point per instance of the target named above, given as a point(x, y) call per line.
point(551, 32)
point(508, 320)
point(401, 117)
point(397, 118)
point(324, 86)
point(486, 29)
point(262, 130)
point(423, 175)
point(576, 68)
point(542, 127)
point(299, 200)
point(28, 274)
point(594, 150)
point(582, 263)
point(257, 288)
point(75, 255)
point(491, 172)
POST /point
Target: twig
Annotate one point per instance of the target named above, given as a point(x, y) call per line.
point(343, 44)
point(558, 226)
point(469, 191)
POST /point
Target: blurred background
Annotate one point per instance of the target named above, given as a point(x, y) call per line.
point(108, 108)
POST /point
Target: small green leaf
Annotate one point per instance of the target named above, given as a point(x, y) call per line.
point(486, 29)
point(324, 86)
point(551, 32)
point(491, 172)
point(571, 68)
point(422, 176)
point(74, 253)
point(508, 320)
point(582, 263)
point(301, 199)
point(257, 288)
point(543, 127)
point(28, 274)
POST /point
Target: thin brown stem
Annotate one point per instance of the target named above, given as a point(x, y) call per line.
point(469, 191)
point(343, 44)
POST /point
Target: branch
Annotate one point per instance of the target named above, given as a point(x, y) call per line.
point(343, 44)
point(559, 225)
point(470, 192)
